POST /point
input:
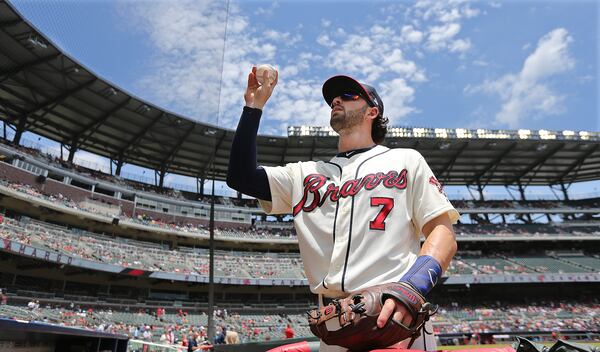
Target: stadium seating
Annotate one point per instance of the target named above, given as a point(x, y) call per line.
point(451, 318)
point(150, 256)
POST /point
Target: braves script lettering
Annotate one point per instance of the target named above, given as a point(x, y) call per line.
point(313, 183)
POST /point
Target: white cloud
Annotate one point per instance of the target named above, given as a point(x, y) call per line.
point(440, 36)
point(283, 37)
point(324, 40)
point(399, 96)
point(528, 93)
point(460, 45)
point(267, 11)
point(441, 23)
point(300, 102)
point(550, 57)
point(301, 65)
point(189, 72)
point(411, 35)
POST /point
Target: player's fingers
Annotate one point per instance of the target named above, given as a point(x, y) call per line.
point(386, 312)
point(252, 81)
point(266, 80)
point(401, 316)
point(276, 77)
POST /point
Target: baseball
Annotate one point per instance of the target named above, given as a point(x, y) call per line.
point(260, 71)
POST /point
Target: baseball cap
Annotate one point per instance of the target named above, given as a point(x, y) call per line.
point(338, 85)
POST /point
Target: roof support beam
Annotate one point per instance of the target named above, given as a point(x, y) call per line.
point(51, 101)
point(539, 162)
point(119, 163)
point(578, 162)
point(4, 24)
point(20, 129)
point(171, 154)
point(564, 190)
point(73, 149)
point(446, 168)
point(92, 127)
point(25, 66)
point(140, 134)
point(213, 155)
point(161, 177)
point(492, 165)
point(312, 148)
point(285, 147)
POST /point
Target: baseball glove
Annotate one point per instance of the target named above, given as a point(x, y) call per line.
point(352, 322)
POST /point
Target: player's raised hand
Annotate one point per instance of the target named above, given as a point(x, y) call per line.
point(257, 95)
point(396, 310)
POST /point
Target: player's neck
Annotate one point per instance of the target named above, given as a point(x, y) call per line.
point(352, 140)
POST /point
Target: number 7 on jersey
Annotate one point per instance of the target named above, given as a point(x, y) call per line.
point(379, 222)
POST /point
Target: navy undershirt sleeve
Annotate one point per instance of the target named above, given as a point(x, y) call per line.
point(244, 175)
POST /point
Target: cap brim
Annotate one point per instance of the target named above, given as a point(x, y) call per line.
point(337, 85)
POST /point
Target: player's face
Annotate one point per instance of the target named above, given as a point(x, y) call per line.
point(347, 110)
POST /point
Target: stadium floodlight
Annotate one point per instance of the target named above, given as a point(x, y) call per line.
point(524, 134)
point(458, 133)
point(109, 92)
point(490, 134)
point(463, 133)
point(36, 42)
point(142, 109)
point(545, 134)
point(441, 133)
point(400, 132)
point(420, 132)
point(585, 135)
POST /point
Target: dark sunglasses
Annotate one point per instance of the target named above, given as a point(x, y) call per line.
point(350, 96)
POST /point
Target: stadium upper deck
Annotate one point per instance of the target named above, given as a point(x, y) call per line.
point(46, 92)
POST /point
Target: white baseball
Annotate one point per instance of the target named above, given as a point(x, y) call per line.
point(260, 72)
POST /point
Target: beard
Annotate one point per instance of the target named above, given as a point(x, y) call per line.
point(342, 120)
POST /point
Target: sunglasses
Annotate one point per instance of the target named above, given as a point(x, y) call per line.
point(350, 96)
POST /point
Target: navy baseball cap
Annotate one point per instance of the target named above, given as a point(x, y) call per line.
point(338, 85)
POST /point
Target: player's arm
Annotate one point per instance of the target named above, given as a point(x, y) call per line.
point(440, 241)
point(440, 245)
point(433, 260)
point(244, 175)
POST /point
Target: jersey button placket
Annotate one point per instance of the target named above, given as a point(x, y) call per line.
point(341, 236)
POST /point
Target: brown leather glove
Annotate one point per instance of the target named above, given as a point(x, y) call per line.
point(352, 322)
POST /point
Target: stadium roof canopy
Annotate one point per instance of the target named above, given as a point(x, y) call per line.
point(44, 91)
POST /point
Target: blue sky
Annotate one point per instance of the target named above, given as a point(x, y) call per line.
point(516, 64)
point(471, 64)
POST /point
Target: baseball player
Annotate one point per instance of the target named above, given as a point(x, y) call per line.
point(360, 215)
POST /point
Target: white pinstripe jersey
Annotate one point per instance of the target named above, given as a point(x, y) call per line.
point(358, 219)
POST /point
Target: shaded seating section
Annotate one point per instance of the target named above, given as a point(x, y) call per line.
point(151, 256)
point(590, 262)
point(544, 264)
point(452, 317)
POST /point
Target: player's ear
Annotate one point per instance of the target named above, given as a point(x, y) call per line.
point(373, 112)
